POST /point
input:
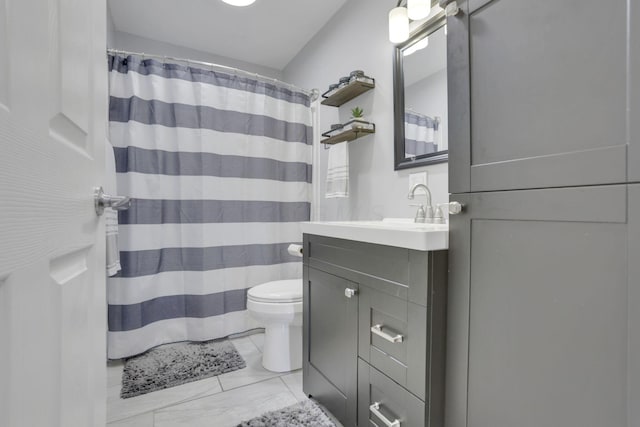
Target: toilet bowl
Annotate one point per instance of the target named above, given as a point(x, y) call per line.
point(278, 307)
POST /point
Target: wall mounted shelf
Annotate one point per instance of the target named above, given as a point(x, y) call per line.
point(348, 92)
point(349, 131)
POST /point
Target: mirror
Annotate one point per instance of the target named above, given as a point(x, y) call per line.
point(420, 96)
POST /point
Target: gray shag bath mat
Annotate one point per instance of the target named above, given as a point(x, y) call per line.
point(174, 364)
point(303, 414)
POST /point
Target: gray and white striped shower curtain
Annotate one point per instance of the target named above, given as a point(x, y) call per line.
point(219, 166)
point(419, 134)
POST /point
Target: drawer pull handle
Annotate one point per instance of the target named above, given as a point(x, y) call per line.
point(375, 408)
point(377, 329)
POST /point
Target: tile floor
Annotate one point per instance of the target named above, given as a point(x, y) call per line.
point(221, 401)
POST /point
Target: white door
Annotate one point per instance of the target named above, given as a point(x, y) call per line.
point(53, 109)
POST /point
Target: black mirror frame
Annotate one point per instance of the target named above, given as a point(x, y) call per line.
point(400, 161)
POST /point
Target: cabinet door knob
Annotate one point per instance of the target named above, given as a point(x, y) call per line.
point(455, 207)
point(349, 292)
point(375, 408)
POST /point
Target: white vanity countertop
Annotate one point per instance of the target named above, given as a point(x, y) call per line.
point(399, 232)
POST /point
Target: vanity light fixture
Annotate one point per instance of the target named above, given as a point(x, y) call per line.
point(418, 9)
point(239, 2)
point(400, 16)
point(398, 25)
point(411, 10)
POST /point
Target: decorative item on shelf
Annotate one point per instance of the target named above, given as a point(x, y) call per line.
point(349, 87)
point(353, 129)
point(355, 75)
point(357, 114)
point(332, 89)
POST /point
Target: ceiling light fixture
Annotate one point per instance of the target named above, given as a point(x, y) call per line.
point(239, 2)
point(418, 9)
point(398, 25)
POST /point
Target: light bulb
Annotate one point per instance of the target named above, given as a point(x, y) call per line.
point(418, 9)
point(239, 2)
point(398, 25)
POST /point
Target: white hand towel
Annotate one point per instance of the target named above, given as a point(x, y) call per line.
point(338, 171)
point(111, 216)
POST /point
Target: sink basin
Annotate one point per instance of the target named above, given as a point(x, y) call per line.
point(399, 232)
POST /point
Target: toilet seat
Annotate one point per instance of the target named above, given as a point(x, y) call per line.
point(279, 291)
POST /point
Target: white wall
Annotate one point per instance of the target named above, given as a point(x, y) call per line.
point(133, 43)
point(356, 39)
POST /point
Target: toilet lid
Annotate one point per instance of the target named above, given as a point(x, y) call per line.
point(277, 291)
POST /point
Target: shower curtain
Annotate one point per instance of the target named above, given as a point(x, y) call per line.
point(419, 134)
point(219, 167)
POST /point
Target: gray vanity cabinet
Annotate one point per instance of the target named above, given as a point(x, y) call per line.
point(633, 163)
point(633, 304)
point(392, 402)
point(399, 349)
point(374, 331)
point(538, 89)
point(539, 316)
point(331, 342)
point(544, 284)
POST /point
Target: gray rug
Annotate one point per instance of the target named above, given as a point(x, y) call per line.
point(307, 414)
point(174, 364)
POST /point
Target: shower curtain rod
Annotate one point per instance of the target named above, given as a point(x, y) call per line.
point(314, 93)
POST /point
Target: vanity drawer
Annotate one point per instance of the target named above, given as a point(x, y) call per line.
point(381, 401)
point(386, 266)
point(392, 337)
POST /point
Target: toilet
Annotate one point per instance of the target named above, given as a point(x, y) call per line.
point(278, 307)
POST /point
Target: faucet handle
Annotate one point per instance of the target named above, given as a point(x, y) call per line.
point(423, 214)
point(438, 218)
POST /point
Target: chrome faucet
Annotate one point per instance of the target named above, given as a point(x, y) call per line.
point(422, 215)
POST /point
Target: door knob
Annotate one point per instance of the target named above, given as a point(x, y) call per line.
point(101, 201)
